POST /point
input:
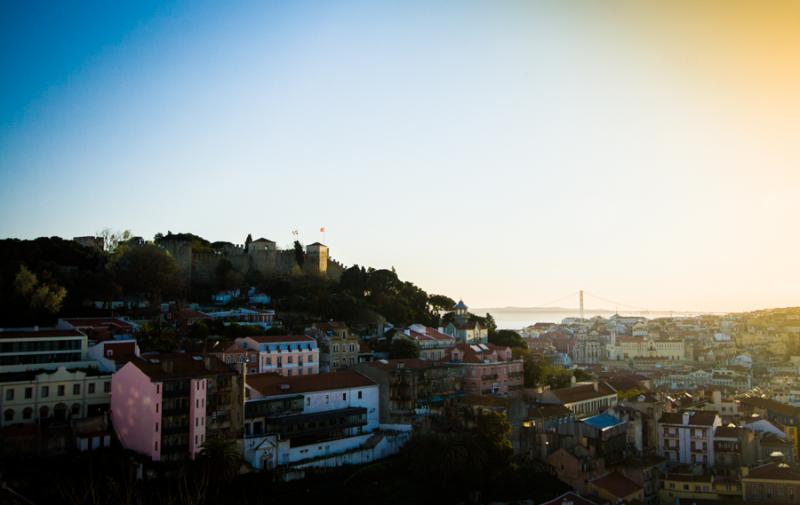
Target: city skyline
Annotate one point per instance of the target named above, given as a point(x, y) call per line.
point(505, 155)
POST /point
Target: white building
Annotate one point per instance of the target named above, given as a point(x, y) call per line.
point(316, 420)
point(688, 437)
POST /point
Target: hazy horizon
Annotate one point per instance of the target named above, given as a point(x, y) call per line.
point(505, 153)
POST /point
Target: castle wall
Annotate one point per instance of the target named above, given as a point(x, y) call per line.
point(202, 267)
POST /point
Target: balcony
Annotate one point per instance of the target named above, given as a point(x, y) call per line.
point(317, 423)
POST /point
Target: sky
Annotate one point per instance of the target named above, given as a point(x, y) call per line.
point(507, 153)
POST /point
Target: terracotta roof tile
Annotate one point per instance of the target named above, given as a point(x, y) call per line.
point(617, 485)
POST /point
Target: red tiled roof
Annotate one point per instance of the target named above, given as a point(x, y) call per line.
point(473, 356)
point(571, 498)
point(698, 418)
point(275, 384)
point(617, 485)
point(583, 392)
point(183, 365)
point(774, 471)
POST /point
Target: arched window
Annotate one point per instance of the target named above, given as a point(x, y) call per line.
point(76, 409)
point(27, 413)
point(44, 411)
point(8, 415)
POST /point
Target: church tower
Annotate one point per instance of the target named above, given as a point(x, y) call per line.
point(462, 316)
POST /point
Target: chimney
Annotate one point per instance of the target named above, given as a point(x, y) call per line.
point(167, 365)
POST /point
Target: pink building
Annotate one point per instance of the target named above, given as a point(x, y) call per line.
point(287, 355)
point(488, 369)
point(158, 403)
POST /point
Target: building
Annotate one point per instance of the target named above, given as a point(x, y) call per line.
point(339, 347)
point(465, 330)
point(539, 433)
point(606, 437)
point(584, 399)
point(165, 406)
point(699, 488)
point(488, 369)
point(772, 482)
point(316, 421)
point(413, 388)
point(734, 447)
point(616, 488)
point(34, 396)
point(687, 437)
point(98, 329)
point(624, 348)
point(261, 318)
point(572, 498)
point(433, 344)
point(39, 348)
point(287, 355)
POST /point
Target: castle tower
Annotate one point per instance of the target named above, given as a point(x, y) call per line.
point(462, 316)
point(316, 259)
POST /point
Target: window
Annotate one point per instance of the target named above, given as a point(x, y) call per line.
point(44, 412)
point(344, 396)
point(76, 389)
point(61, 390)
point(158, 389)
point(27, 413)
point(156, 408)
point(109, 353)
point(196, 422)
point(360, 395)
point(91, 388)
point(76, 409)
point(106, 387)
point(156, 427)
point(28, 393)
point(45, 392)
point(8, 415)
point(327, 399)
point(155, 447)
point(9, 394)
point(308, 401)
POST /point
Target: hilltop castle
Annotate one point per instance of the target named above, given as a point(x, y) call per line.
point(262, 255)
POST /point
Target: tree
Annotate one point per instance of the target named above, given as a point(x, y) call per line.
point(113, 239)
point(507, 338)
point(440, 304)
point(490, 324)
point(299, 253)
point(403, 348)
point(40, 297)
point(147, 270)
point(248, 241)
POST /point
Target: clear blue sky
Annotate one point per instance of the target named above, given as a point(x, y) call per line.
point(504, 152)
